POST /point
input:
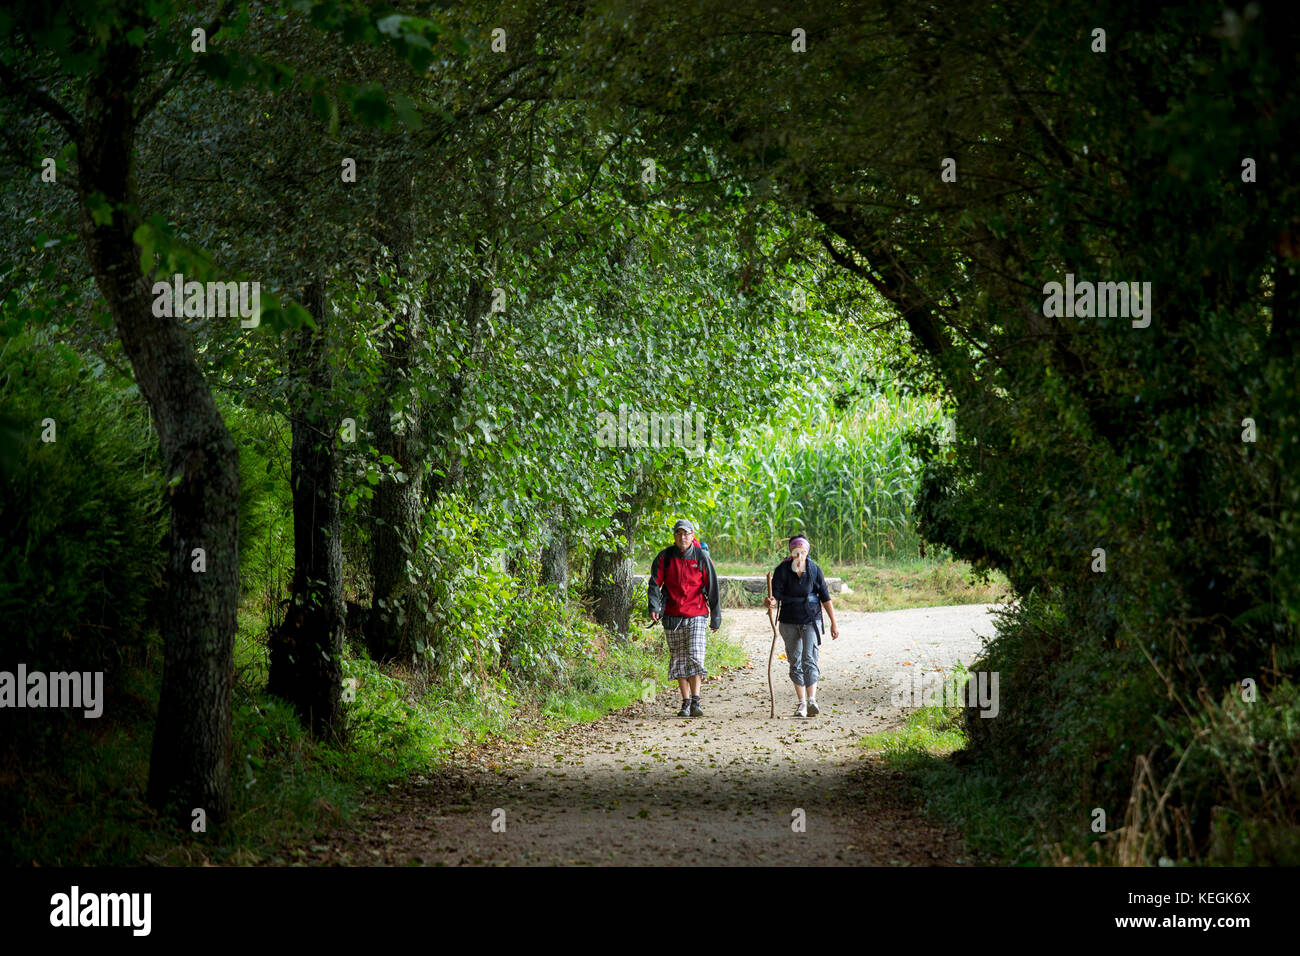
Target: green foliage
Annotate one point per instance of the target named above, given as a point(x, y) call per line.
point(458, 588)
point(608, 675)
point(82, 802)
point(1100, 699)
point(81, 517)
point(602, 678)
point(1134, 442)
point(394, 732)
point(546, 641)
point(1240, 773)
point(285, 782)
point(265, 506)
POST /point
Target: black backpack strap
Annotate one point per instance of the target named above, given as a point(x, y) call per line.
point(814, 574)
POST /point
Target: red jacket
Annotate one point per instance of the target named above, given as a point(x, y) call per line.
point(685, 585)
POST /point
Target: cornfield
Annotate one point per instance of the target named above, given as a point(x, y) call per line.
point(845, 479)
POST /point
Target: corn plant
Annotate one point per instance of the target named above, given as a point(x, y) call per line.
point(844, 478)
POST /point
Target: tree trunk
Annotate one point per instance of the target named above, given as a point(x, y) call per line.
point(555, 553)
point(397, 509)
point(306, 649)
point(190, 763)
point(611, 580)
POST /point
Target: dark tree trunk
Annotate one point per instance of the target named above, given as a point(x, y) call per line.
point(190, 763)
point(397, 512)
point(555, 553)
point(306, 649)
point(611, 580)
point(397, 509)
point(517, 563)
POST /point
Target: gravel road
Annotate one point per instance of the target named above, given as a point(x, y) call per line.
point(645, 787)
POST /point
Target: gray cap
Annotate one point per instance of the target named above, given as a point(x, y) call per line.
point(683, 523)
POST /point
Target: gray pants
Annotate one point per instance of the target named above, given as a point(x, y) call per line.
point(801, 652)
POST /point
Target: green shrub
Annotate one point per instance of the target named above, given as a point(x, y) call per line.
point(458, 587)
point(543, 636)
point(81, 517)
point(265, 507)
point(1074, 712)
point(1241, 778)
point(1086, 721)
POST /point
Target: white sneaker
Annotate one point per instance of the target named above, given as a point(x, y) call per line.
point(813, 709)
point(801, 710)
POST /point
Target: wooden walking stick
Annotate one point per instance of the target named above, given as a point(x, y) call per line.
point(771, 616)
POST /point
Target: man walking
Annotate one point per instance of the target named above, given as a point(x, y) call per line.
point(684, 592)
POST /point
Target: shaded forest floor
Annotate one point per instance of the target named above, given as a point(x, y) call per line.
point(643, 787)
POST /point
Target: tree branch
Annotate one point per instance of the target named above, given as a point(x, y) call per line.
point(180, 70)
point(42, 99)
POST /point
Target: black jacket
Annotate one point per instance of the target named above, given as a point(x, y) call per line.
point(794, 592)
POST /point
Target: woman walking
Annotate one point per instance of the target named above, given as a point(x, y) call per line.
point(800, 587)
point(684, 591)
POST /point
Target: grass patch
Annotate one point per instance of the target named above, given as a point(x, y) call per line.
point(926, 748)
point(620, 679)
point(629, 669)
point(917, 582)
point(722, 653)
point(928, 732)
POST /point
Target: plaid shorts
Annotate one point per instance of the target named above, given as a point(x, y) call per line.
point(686, 638)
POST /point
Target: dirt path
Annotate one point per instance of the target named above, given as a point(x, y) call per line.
point(643, 786)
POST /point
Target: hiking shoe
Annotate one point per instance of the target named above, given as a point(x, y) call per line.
point(686, 709)
point(813, 709)
point(695, 707)
point(802, 709)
